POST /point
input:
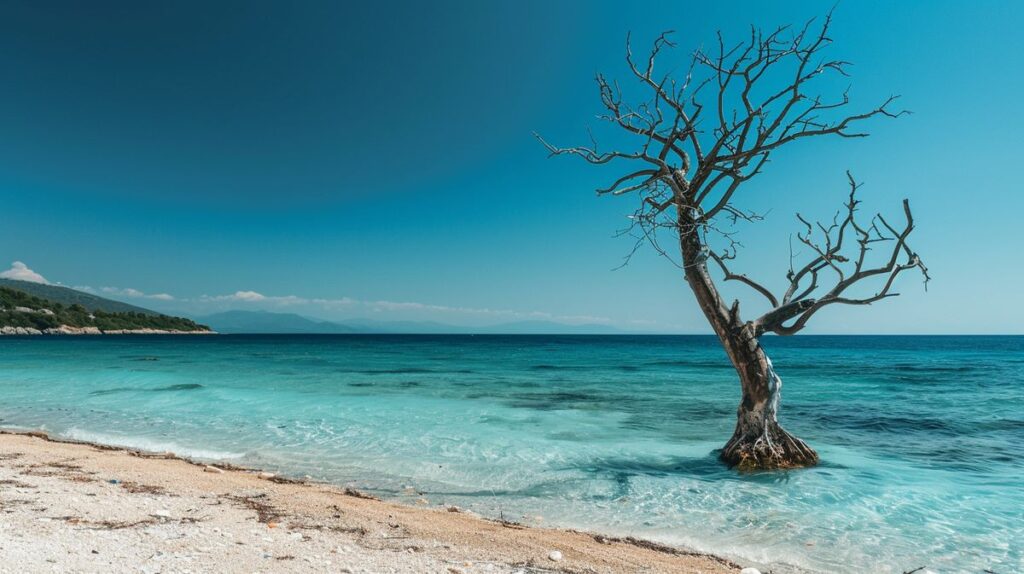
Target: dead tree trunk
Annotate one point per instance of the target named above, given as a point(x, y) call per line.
point(693, 151)
point(759, 442)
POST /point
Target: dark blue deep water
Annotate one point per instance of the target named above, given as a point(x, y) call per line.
point(921, 438)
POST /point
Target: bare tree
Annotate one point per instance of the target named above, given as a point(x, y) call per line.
point(698, 138)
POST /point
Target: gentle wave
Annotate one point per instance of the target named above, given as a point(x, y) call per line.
point(921, 438)
point(149, 445)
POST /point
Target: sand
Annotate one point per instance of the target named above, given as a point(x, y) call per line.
point(76, 507)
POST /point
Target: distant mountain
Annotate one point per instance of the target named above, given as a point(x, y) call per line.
point(67, 297)
point(266, 322)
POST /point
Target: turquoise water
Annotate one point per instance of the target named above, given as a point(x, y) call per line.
point(922, 438)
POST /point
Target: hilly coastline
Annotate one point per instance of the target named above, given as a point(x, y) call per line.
point(67, 296)
point(35, 309)
point(29, 308)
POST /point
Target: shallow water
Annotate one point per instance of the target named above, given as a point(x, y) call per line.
point(922, 438)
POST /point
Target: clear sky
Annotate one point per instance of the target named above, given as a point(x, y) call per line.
point(377, 160)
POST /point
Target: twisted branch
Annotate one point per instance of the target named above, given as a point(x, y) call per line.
point(700, 137)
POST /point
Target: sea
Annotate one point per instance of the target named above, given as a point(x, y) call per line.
point(921, 437)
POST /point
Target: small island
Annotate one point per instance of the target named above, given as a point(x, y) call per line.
point(22, 313)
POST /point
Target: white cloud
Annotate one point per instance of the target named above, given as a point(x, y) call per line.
point(129, 292)
point(258, 299)
point(383, 306)
point(344, 301)
point(255, 297)
point(122, 292)
point(21, 272)
point(248, 296)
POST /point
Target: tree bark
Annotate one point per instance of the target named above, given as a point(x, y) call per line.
point(759, 442)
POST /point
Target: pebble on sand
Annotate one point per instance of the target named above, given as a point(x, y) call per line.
point(213, 469)
point(750, 571)
point(556, 556)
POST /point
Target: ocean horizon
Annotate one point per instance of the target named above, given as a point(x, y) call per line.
point(920, 437)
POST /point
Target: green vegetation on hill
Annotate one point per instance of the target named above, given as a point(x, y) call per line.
point(20, 309)
point(68, 297)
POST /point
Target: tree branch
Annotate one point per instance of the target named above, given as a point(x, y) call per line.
point(701, 136)
point(829, 254)
point(729, 276)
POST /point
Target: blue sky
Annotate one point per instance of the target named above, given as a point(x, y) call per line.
point(357, 161)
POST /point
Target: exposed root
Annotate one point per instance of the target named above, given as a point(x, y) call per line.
point(770, 449)
point(759, 443)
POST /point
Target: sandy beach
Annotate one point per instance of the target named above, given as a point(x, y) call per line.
point(77, 507)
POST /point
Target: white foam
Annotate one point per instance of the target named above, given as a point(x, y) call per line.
point(149, 445)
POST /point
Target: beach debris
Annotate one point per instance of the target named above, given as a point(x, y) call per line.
point(284, 480)
point(750, 571)
point(509, 524)
point(162, 513)
point(556, 556)
point(114, 481)
point(358, 494)
point(105, 524)
point(265, 513)
point(213, 469)
point(266, 475)
point(136, 488)
point(422, 501)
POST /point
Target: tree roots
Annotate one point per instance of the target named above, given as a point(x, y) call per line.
point(768, 448)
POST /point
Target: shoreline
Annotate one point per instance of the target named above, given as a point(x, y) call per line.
point(272, 522)
point(64, 330)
